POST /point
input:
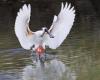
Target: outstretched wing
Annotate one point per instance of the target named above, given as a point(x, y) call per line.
point(22, 31)
point(61, 26)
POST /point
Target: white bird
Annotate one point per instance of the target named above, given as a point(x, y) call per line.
point(52, 38)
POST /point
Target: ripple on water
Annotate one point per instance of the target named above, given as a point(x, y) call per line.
point(54, 70)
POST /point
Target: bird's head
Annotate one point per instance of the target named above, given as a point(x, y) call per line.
point(45, 30)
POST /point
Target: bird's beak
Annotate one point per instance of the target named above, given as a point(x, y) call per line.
point(51, 36)
point(43, 34)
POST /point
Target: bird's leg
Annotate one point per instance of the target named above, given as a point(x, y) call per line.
point(42, 57)
point(42, 61)
point(34, 57)
point(45, 55)
point(33, 54)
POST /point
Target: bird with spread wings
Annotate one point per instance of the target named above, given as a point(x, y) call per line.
point(52, 37)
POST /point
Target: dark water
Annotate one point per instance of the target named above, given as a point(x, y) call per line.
point(78, 58)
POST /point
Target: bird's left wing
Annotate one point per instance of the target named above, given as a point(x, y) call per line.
point(22, 31)
point(61, 26)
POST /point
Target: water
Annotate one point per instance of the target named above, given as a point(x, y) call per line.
point(78, 58)
point(16, 64)
point(55, 70)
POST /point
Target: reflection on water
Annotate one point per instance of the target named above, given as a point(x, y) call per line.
point(13, 61)
point(53, 70)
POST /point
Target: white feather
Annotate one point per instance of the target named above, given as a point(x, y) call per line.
point(21, 25)
point(61, 27)
point(55, 18)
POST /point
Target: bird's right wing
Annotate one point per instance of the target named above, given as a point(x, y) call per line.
point(61, 26)
point(22, 31)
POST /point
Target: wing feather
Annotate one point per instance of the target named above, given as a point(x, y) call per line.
point(22, 30)
point(61, 27)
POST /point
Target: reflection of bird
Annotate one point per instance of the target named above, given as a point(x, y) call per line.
point(53, 70)
point(52, 38)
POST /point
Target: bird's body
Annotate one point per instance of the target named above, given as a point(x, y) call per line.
point(52, 38)
point(39, 42)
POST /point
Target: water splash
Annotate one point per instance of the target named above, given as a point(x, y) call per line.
point(53, 70)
